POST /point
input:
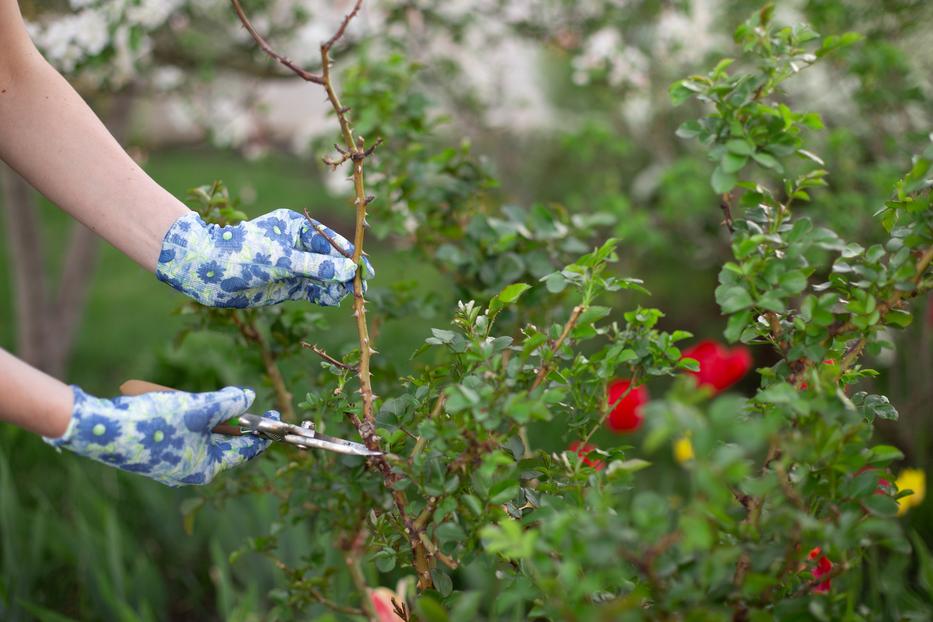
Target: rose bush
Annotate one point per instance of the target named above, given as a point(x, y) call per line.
point(490, 517)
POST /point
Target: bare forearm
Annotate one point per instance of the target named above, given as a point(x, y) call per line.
point(31, 399)
point(54, 140)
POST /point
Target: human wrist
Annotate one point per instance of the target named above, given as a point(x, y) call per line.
point(55, 415)
point(158, 229)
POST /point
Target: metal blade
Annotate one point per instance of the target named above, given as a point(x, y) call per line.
point(339, 445)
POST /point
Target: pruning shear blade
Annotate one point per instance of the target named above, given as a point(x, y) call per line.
point(304, 435)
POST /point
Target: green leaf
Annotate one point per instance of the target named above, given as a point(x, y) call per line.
point(811, 156)
point(767, 160)
point(689, 364)
point(442, 582)
point(898, 318)
point(593, 314)
point(632, 465)
point(449, 532)
point(680, 93)
point(793, 282)
point(513, 292)
point(732, 163)
point(733, 298)
point(555, 282)
point(884, 454)
point(385, 560)
point(736, 325)
point(697, 534)
point(880, 505)
point(740, 146)
point(874, 406)
point(443, 336)
point(689, 129)
point(722, 181)
point(430, 610)
point(780, 393)
point(503, 491)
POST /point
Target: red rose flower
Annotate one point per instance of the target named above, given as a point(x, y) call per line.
point(720, 368)
point(626, 412)
point(822, 569)
point(584, 452)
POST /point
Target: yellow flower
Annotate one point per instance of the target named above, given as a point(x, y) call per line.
point(683, 450)
point(915, 480)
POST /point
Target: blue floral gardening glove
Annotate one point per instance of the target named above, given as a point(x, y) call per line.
point(277, 257)
point(163, 435)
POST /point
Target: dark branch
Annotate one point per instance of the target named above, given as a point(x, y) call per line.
point(726, 208)
point(265, 47)
point(343, 27)
point(330, 240)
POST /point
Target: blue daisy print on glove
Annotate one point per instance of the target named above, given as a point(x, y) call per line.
point(211, 272)
point(166, 435)
point(98, 430)
point(158, 436)
point(220, 266)
point(276, 229)
point(229, 238)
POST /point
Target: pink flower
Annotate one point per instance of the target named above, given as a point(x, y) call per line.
point(381, 598)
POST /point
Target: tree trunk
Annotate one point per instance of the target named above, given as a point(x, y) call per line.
point(30, 286)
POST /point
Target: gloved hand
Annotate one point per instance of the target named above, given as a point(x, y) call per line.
point(163, 435)
point(264, 261)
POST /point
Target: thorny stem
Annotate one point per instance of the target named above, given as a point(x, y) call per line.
point(356, 152)
point(545, 367)
point(327, 357)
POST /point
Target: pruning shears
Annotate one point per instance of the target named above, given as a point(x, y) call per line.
point(303, 436)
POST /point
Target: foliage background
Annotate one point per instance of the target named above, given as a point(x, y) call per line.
point(88, 542)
